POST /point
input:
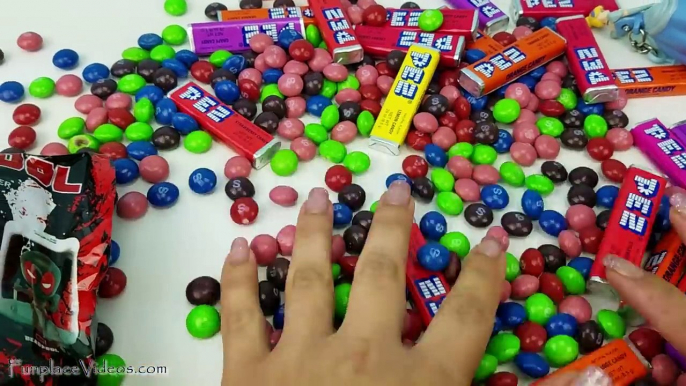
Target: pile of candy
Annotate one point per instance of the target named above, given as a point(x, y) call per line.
point(289, 67)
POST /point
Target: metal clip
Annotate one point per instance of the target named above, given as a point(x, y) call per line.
point(640, 44)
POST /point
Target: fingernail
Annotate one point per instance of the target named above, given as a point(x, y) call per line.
point(622, 266)
point(240, 251)
point(317, 201)
point(678, 201)
point(593, 376)
point(398, 193)
point(490, 247)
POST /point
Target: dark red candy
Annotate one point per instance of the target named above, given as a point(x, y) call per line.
point(613, 170)
point(616, 118)
point(348, 264)
point(412, 325)
point(551, 285)
point(590, 239)
point(502, 378)
point(22, 137)
point(121, 118)
point(415, 166)
point(504, 38)
point(371, 91)
point(244, 211)
point(301, 50)
point(202, 70)
point(417, 140)
point(465, 131)
point(112, 284)
point(453, 270)
point(649, 342)
point(532, 336)
point(114, 150)
point(462, 108)
point(590, 336)
point(531, 262)
point(553, 257)
point(551, 108)
point(448, 78)
point(600, 149)
point(249, 89)
point(26, 114)
point(384, 69)
point(372, 106)
point(449, 119)
point(375, 15)
point(338, 177)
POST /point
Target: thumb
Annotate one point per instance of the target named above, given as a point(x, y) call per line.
point(591, 376)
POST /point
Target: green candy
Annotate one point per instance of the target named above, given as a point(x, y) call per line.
point(357, 162)
point(449, 203)
point(111, 370)
point(143, 110)
point(372, 208)
point(330, 117)
point(203, 322)
point(456, 242)
point(108, 133)
point(329, 88)
point(506, 110)
point(316, 133)
point(484, 155)
point(350, 82)
point(284, 163)
point(335, 271)
point(504, 347)
point(175, 7)
point(365, 123)
point(174, 34)
point(512, 173)
point(131, 84)
point(135, 54)
point(138, 131)
point(162, 52)
point(539, 308)
point(572, 280)
point(561, 350)
point(540, 184)
point(82, 141)
point(611, 323)
point(512, 269)
point(313, 35)
point(595, 126)
point(567, 98)
point(463, 149)
point(198, 142)
point(487, 366)
point(219, 57)
point(341, 295)
point(550, 126)
point(443, 180)
point(71, 127)
point(269, 90)
point(430, 20)
point(42, 87)
point(333, 151)
point(323, 46)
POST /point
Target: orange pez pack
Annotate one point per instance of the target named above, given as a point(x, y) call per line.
point(485, 44)
point(619, 359)
point(268, 13)
point(668, 259)
point(511, 62)
point(647, 82)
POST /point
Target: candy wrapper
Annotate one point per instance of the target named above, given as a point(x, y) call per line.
point(55, 229)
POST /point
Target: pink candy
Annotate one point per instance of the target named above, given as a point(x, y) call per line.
point(54, 148)
point(290, 85)
point(290, 128)
point(295, 107)
point(285, 238)
point(523, 153)
point(547, 147)
point(260, 42)
point(467, 189)
point(580, 216)
point(460, 167)
point(618, 104)
point(577, 306)
point(367, 75)
point(275, 57)
point(485, 175)
point(118, 100)
point(95, 118)
point(558, 68)
point(335, 72)
point(344, 132)
point(444, 137)
point(425, 122)
point(505, 291)
point(265, 249)
point(154, 169)
point(85, 103)
point(283, 196)
point(620, 138)
point(321, 59)
point(526, 116)
point(348, 95)
point(547, 89)
point(533, 103)
point(519, 92)
point(355, 14)
point(295, 67)
point(132, 206)
point(526, 132)
point(569, 243)
point(252, 74)
point(524, 286)
point(384, 83)
point(237, 166)
point(522, 31)
point(30, 41)
point(551, 76)
point(450, 92)
point(69, 85)
point(304, 148)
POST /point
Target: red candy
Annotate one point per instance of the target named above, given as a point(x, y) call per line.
point(504, 38)
point(375, 15)
point(532, 337)
point(649, 342)
point(202, 71)
point(449, 119)
point(613, 170)
point(244, 211)
point(383, 69)
point(250, 90)
point(26, 114)
point(337, 248)
point(348, 265)
point(301, 50)
point(532, 262)
point(114, 150)
point(590, 238)
point(265, 249)
point(502, 378)
point(371, 91)
point(665, 371)
point(338, 177)
point(551, 108)
point(22, 137)
point(121, 118)
point(412, 325)
point(417, 140)
point(465, 131)
point(415, 166)
point(462, 108)
point(372, 106)
point(448, 78)
point(551, 285)
point(112, 284)
point(600, 149)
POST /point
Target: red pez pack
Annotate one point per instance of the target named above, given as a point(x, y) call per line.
point(427, 289)
point(337, 31)
point(380, 41)
point(233, 129)
point(540, 9)
point(631, 220)
point(458, 22)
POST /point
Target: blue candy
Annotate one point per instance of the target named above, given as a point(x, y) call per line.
point(581, 264)
point(163, 194)
point(561, 324)
point(552, 222)
point(662, 222)
point(528, 80)
point(532, 204)
point(271, 75)
point(537, 73)
point(179, 68)
point(149, 41)
point(435, 156)
point(532, 364)
point(511, 314)
point(497, 326)
point(140, 149)
point(473, 55)
point(279, 317)
point(287, 36)
point(125, 170)
point(501, 91)
point(342, 215)
point(115, 251)
point(235, 64)
point(164, 111)
point(397, 177)
point(433, 225)
point(94, 72)
point(433, 256)
point(227, 91)
point(606, 196)
point(202, 180)
point(186, 57)
point(316, 104)
point(184, 123)
point(65, 59)
point(549, 22)
point(11, 91)
point(504, 142)
point(151, 92)
point(586, 109)
point(476, 103)
point(495, 196)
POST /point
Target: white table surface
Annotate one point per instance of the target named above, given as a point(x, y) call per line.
point(148, 319)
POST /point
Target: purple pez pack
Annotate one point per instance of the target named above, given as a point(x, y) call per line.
point(233, 36)
point(666, 151)
point(679, 131)
point(491, 18)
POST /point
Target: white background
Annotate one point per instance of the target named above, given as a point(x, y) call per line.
point(157, 254)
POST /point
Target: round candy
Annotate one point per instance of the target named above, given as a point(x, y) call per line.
point(265, 248)
point(357, 162)
point(430, 20)
point(576, 306)
point(202, 180)
point(337, 177)
point(504, 347)
point(239, 187)
point(42, 87)
point(244, 211)
point(198, 142)
point(506, 110)
point(163, 194)
point(611, 323)
point(449, 203)
point(478, 215)
point(154, 169)
point(561, 350)
point(433, 256)
point(30, 41)
point(581, 194)
point(353, 196)
point(517, 224)
point(333, 151)
point(203, 290)
point(342, 215)
point(539, 183)
point(65, 59)
point(433, 225)
point(341, 298)
point(649, 342)
point(613, 169)
point(561, 324)
point(456, 242)
point(512, 173)
point(277, 273)
point(539, 308)
point(132, 206)
point(495, 196)
point(283, 196)
point(532, 204)
point(203, 320)
point(531, 335)
point(284, 162)
point(532, 364)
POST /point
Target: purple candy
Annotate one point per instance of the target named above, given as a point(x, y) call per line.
point(679, 359)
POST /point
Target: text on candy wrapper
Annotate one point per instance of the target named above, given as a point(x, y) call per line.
point(336, 21)
point(205, 103)
point(411, 76)
point(399, 18)
point(501, 62)
point(668, 145)
point(485, 7)
point(637, 75)
point(426, 39)
point(270, 29)
point(550, 3)
point(591, 64)
point(283, 12)
point(432, 289)
point(632, 220)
